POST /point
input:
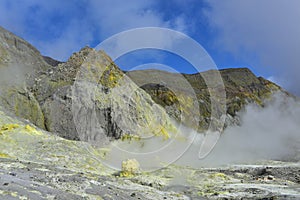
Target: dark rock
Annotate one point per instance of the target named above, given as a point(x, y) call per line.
point(51, 61)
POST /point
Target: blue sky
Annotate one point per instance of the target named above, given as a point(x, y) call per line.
point(261, 35)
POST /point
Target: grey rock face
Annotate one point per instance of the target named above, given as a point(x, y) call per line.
point(58, 114)
point(22, 103)
point(16, 51)
point(118, 105)
point(51, 61)
point(89, 98)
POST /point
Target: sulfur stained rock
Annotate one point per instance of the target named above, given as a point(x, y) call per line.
point(23, 104)
point(241, 87)
point(20, 62)
point(130, 167)
point(89, 98)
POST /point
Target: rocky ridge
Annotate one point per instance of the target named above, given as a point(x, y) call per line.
point(241, 86)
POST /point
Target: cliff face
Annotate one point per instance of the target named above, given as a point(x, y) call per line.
point(118, 105)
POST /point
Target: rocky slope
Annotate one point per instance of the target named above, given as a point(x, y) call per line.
point(19, 64)
point(35, 164)
point(241, 86)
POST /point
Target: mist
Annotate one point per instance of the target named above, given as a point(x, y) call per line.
point(13, 75)
point(268, 133)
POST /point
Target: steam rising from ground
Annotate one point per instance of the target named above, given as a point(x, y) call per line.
point(271, 132)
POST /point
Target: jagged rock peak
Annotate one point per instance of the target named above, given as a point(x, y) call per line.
point(77, 58)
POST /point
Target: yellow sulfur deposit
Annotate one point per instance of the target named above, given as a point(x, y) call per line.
point(130, 167)
point(219, 175)
point(165, 134)
point(130, 137)
point(8, 127)
point(4, 155)
point(31, 130)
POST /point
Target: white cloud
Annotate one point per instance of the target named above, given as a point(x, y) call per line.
point(29, 18)
point(162, 39)
point(180, 24)
point(267, 30)
point(75, 36)
point(84, 22)
point(115, 16)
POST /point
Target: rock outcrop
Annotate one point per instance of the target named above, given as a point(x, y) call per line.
point(51, 61)
point(116, 104)
point(241, 87)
